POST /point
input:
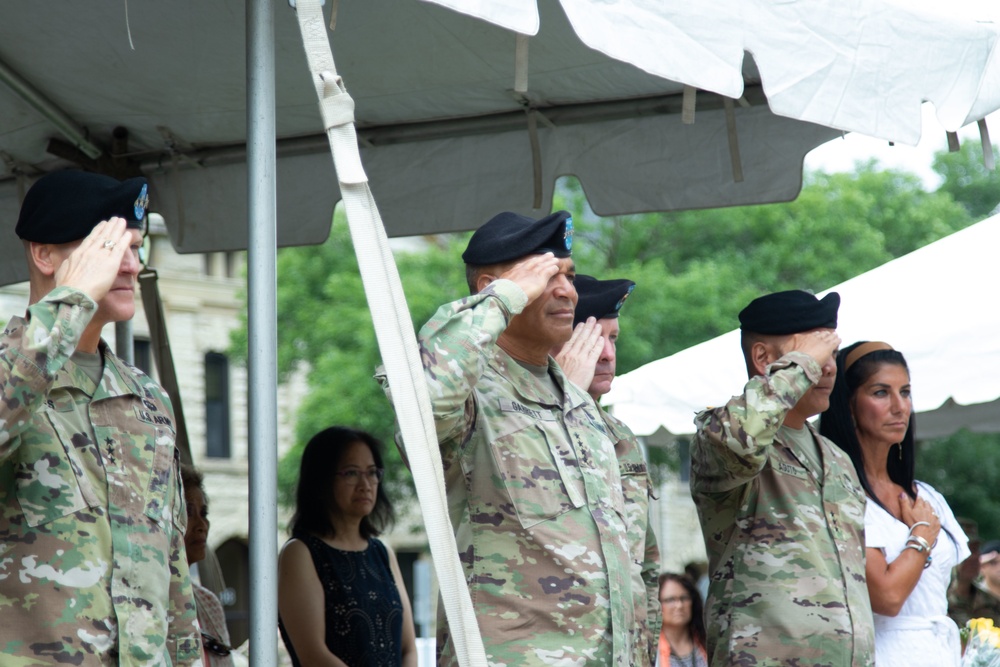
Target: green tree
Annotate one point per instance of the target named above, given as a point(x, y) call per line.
point(967, 179)
point(325, 328)
point(965, 469)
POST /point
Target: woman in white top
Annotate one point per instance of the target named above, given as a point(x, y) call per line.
point(912, 539)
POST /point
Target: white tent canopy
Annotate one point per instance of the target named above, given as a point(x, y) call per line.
point(935, 305)
point(446, 103)
point(459, 118)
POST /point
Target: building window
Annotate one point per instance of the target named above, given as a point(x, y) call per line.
point(216, 405)
point(142, 355)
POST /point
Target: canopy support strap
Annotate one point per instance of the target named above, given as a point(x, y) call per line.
point(953, 144)
point(536, 157)
point(688, 103)
point(159, 341)
point(734, 143)
point(984, 136)
point(394, 331)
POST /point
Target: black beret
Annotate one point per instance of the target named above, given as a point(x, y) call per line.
point(790, 312)
point(992, 546)
point(601, 299)
point(65, 206)
point(508, 236)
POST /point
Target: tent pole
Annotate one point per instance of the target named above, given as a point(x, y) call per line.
point(262, 351)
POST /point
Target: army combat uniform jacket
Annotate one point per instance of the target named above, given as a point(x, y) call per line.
point(980, 603)
point(636, 487)
point(534, 493)
point(785, 541)
point(92, 563)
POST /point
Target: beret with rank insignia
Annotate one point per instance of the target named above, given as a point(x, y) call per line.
point(508, 236)
point(600, 299)
point(65, 206)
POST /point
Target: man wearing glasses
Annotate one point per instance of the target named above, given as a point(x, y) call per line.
point(92, 562)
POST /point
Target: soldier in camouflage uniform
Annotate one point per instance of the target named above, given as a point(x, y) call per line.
point(589, 360)
point(781, 508)
point(534, 488)
point(92, 519)
point(975, 591)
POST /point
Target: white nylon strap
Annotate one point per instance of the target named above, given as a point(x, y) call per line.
point(338, 109)
point(396, 339)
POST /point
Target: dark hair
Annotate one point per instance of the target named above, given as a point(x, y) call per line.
point(696, 626)
point(473, 271)
point(320, 460)
point(837, 423)
point(191, 478)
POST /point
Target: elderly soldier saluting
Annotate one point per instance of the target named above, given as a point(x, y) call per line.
point(781, 507)
point(589, 359)
point(92, 562)
point(533, 486)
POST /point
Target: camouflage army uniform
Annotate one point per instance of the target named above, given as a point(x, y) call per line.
point(534, 493)
point(785, 545)
point(645, 553)
point(981, 603)
point(92, 563)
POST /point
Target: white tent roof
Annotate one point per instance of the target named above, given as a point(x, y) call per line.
point(935, 305)
point(446, 140)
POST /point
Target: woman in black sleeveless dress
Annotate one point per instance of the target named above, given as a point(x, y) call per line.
point(341, 599)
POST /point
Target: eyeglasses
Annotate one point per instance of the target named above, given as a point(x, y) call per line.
point(680, 600)
point(214, 645)
point(353, 476)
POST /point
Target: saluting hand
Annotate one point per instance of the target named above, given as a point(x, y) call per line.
point(93, 266)
point(532, 274)
point(820, 344)
point(578, 357)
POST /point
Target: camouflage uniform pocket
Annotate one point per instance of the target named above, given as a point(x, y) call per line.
point(51, 481)
point(538, 481)
point(164, 490)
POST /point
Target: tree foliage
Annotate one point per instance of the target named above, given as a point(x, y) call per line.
point(965, 468)
point(967, 179)
point(325, 328)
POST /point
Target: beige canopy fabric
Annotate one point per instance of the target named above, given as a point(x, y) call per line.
point(446, 139)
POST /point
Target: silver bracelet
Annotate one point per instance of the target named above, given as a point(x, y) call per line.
point(916, 547)
point(924, 546)
point(918, 523)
